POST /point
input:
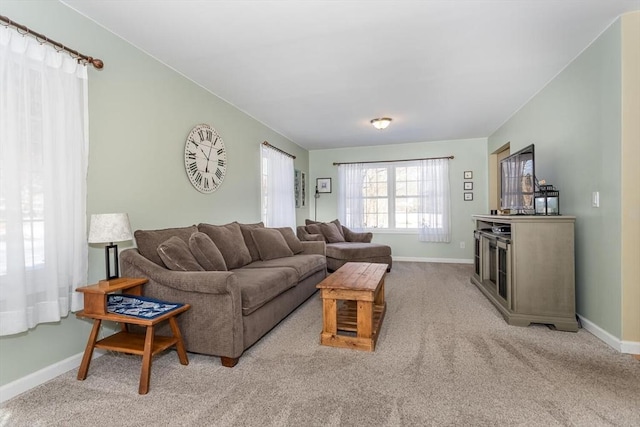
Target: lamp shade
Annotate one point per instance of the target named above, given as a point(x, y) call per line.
point(381, 123)
point(109, 228)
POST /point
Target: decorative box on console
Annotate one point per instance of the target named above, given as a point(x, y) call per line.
point(547, 200)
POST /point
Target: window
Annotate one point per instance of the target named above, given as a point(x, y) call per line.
point(396, 196)
point(43, 168)
point(277, 187)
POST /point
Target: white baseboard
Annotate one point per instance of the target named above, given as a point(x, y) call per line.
point(443, 260)
point(19, 386)
point(630, 347)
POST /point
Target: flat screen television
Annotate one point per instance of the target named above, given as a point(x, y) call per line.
point(518, 182)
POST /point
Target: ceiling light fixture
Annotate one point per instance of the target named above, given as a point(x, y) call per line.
point(381, 123)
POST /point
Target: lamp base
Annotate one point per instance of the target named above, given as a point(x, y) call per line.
point(111, 261)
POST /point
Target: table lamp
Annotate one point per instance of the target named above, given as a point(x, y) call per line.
point(109, 228)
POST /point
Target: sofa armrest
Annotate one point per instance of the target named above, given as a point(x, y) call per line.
point(305, 236)
point(314, 247)
point(352, 236)
point(213, 325)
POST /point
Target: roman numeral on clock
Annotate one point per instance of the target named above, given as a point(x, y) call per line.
point(219, 173)
point(220, 162)
point(193, 167)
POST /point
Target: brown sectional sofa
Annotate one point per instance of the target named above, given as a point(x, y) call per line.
point(344, 245)
point(269, 273)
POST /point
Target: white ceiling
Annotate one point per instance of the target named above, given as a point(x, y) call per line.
point(318, 71)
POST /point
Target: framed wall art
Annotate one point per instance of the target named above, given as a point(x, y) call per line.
point(324, 185)
point(296, 187)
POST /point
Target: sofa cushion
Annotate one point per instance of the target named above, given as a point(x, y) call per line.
point(292, 240)
point(228, 238)
point(149, 240)
point(331, 233)
point(335, 221)
point(355, 250)
point(248, 240)
point(305, 265)
point(175, 254)
point(258, 286)
point(271, 243)
point(206, 252)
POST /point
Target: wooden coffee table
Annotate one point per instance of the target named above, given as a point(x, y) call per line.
point(355, 321)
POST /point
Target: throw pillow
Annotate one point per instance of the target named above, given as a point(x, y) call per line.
point(206, 252)
point(270, 243)
point(149, 240)
point(335, 221)
point(228, 238)
point(315, 229)
point(248, 240)
point(292, 240)
point(331, 233)
point(175, 254)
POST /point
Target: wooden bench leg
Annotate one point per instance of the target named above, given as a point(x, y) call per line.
point(182, 354)
point(365, 319)
point(88, 351)
point(147, 355)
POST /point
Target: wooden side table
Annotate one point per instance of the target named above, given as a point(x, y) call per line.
point(146, 345)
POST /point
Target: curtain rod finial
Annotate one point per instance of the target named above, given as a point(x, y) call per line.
point(97, 63)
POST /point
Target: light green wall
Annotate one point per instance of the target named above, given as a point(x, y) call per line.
point(140, 113)
point(575, 124)
point(470, 155)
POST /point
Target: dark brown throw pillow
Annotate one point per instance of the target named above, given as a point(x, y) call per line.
point(331, 233)
point(270, 243)
point(175, 254)
point(149, 240)
point(206, 252)
point(248, 240)
point(292, 240)
point(228, 238)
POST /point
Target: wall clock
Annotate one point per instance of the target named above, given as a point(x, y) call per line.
point(205, 158)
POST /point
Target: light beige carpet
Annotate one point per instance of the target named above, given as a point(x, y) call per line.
point(444, 357)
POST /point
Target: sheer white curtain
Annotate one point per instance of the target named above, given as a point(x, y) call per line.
point(278, 198)
point(434, 214)
point(43, 167)
point(350, 198)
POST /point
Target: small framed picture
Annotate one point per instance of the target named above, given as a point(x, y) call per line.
point(468, 174)
point(468, 197)
point(468, 185)
point(323, 185)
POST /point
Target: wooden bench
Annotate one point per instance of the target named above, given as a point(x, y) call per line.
point(359, 286)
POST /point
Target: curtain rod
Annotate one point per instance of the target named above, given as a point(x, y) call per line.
point(97, 63)
point(277, 149)
point(391, 161)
